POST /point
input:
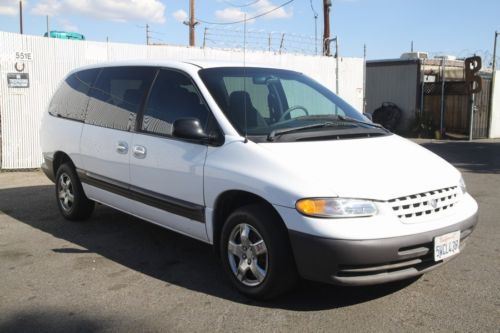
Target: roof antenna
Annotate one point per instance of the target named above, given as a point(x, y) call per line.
point(244, 76)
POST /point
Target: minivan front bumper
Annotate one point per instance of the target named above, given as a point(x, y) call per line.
point(374, 261)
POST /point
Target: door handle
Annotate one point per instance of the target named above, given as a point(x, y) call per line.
point(122, 147)
point(139, 151)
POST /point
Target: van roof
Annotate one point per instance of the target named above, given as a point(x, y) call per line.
point(175, 64)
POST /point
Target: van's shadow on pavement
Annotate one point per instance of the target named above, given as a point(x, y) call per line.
point(163, 254)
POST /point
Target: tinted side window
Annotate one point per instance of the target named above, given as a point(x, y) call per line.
point(70, 100)
point(173, 96)
point(117, 95)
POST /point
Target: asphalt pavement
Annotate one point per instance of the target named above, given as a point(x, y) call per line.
point(118, 273)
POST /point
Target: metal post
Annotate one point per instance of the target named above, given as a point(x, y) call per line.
point(47, 23)
point(281, 43)
point(493, 68)
point(328, 42)
point(422, 88)
point(337, 65)
point(205, 37)
point(364, 78)
point(316, 34)
point(443, 63)
point(495, 51)
point(21, 17)
point(471, 108)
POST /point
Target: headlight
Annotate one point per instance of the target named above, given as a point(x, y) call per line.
point(335, 207)
point(462, 186)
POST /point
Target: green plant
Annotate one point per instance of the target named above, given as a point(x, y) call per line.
point(423, 125)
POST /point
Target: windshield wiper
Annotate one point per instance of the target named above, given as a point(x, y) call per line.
point(352, 120)
point(272, 135)
point(339, 118)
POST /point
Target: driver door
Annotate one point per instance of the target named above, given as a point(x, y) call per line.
point(167, 172)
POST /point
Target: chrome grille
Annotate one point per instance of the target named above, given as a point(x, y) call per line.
point(422, 206)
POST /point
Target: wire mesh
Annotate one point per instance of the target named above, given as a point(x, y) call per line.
point(277, 42)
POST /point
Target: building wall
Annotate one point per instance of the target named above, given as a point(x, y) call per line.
point(495, 109)
point(395, 82)
point(21, 108)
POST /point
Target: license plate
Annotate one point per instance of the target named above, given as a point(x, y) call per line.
point(446, 245)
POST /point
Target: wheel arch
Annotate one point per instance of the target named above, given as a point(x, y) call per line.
point(230, 200)
point(60, 157)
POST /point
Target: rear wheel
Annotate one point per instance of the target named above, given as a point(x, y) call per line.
point(71, 200)
point(256, 254)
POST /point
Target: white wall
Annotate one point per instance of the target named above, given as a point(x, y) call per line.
point(495, 107)
point(21, 109)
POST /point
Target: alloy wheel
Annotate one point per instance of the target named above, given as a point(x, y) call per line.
point(247, 254)
point(65, 192)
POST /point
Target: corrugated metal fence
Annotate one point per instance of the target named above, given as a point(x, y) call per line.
point(50, 59)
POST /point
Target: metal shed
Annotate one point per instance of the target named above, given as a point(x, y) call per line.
point(433, 90)
point(395, 81)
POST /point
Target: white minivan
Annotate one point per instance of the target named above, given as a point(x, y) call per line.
point(283, 177)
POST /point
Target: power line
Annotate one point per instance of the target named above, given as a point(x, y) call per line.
point(313, 10)
point(248, 19)
point(241, 6)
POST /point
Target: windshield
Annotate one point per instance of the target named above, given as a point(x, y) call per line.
point(258, 101)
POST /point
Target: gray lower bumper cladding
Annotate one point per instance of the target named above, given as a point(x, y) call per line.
point(365, 262)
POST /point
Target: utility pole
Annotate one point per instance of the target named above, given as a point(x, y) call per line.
point(411, 46)
point(315, 28)
point(191, 23)
point(205, 37)
point(21, 17)
point(148, 37)
point(326, 28)
point(47, 22)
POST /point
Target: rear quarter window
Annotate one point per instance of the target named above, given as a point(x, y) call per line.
point(70, 100)
point(117, 96)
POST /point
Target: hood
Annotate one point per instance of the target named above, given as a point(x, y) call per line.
point(373, 168)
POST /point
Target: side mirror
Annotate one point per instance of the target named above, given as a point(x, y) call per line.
point(189, 128)
point(368, 115)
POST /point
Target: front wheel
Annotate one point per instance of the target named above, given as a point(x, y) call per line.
point(256, 254)
point(71, 200)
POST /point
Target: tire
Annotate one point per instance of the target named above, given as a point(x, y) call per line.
point(258, 270)
point(71, 200)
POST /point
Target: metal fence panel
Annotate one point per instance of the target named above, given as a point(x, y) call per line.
point(21, 108)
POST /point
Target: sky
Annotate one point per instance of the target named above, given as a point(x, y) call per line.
point(387, 27)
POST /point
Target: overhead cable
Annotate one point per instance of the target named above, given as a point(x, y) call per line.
point(248, 19)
